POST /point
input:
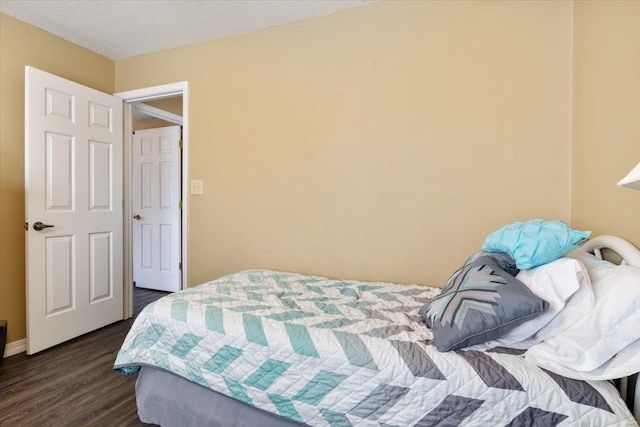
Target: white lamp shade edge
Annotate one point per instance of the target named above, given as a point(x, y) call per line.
point(632, 180)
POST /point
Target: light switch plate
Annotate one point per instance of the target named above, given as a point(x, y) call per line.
point(197, 186)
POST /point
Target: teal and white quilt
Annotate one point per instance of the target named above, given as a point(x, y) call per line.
point(345, 353)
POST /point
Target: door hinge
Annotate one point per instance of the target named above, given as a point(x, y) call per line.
point(180, 144)
point(26, 226)
point(180, 266)
point(180, 204)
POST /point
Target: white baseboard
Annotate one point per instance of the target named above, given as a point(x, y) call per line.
point(15, 347)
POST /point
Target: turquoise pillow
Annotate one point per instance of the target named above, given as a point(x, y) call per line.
point(535, 242)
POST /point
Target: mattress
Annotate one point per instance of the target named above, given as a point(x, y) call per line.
point(329, 352)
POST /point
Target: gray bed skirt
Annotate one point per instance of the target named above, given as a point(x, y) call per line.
point(168, 400)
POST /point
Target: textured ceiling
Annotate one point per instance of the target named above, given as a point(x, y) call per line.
point(120, 29)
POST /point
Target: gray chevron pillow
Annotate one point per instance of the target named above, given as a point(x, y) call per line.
point(479, 303)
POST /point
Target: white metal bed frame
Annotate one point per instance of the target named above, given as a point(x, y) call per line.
point(629, 387)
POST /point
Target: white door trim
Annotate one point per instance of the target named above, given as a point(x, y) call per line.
point(146, 94)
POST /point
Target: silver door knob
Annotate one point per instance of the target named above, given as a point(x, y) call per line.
point(38, 226)
point(136, 216)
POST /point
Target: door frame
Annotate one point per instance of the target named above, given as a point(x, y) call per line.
point(130, 97)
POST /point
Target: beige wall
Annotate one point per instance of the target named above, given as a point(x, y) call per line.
point(172, 105)
point(606, 117)
point(383, 142)
point(22, 44)
point(152, 124)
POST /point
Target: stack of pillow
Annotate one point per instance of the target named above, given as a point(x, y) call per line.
point(530, 288)
point(603, 343)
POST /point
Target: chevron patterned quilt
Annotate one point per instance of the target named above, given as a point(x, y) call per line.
point(346, 353)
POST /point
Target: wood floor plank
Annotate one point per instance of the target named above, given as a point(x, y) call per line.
point(73, 384)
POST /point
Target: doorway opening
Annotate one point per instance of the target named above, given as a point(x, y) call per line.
point(146, 101)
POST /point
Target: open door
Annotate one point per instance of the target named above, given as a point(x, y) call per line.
point(73, 173)
point(157, 201)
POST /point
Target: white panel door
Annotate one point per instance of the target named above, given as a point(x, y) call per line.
point(156, 197)
point(73, 173)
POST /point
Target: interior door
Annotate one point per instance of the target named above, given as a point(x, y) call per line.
point(156, 207)
point(73, 173)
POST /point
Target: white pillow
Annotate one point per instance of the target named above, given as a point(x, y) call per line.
point(578, 304)
point(625, 363)
point(565, 285)
point(589, 260)
point(611, 326)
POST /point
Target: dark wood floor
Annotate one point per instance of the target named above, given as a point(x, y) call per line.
point(72, 384)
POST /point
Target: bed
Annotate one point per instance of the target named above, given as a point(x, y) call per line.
point(268, 348)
